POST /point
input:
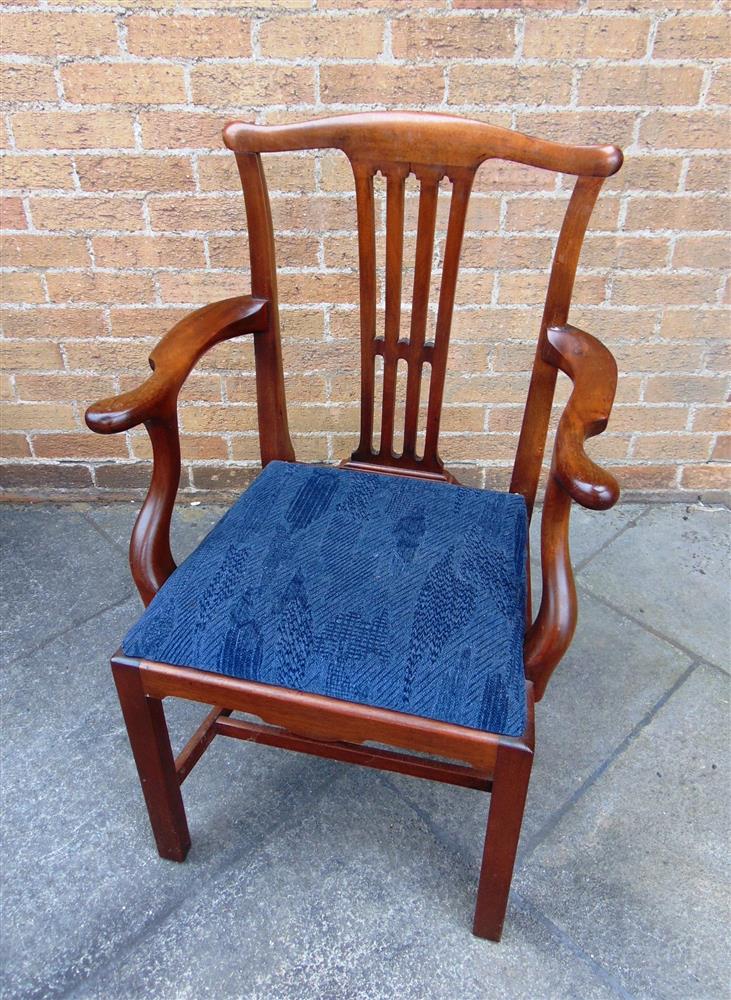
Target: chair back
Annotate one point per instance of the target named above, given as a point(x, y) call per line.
point(431, 147)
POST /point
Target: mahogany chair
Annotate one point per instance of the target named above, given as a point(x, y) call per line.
point(344, 607)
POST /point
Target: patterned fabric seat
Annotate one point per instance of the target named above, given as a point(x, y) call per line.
point(387, 591)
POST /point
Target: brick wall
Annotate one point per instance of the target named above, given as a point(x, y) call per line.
point(122, 212)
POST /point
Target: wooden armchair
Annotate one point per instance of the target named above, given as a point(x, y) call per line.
point(344, 607)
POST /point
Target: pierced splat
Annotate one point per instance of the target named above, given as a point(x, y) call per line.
point(396, 343)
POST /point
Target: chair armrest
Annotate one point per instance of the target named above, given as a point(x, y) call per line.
point(154, 404)
point(593, 370)
point(172, 360)
point(573, 476)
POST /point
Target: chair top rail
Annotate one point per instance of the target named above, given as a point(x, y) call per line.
point(422, 138)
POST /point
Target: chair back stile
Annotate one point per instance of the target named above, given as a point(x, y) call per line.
point(431, 147)
point(537, 413)
point(274, 439)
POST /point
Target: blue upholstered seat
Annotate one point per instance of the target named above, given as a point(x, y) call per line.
point(383, 590)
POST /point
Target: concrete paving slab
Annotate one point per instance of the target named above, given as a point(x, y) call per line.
point(638, 872)
point(56, 569)
point(672, 571)
point(358, 899)
point(85, 878)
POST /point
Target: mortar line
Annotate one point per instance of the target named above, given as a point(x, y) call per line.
point(104, 533)
point(630, 524)
point(602, 974)
point(70, 628)
point(552, 822)
point(623, 613)
point(231, 860)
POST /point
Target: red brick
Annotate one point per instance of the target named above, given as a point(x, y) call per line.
point(708, 173)
point(663, 289)
point(685, 130)
point(181, 130)
point(73, 129)
point(44, 251)
point(12, 215)
point(484, 83)
point(145, 322)
point(672, 447)
point(53, 323)
point(701, 251)
point(675, 212)
point(43, 476)
point(197, 213)
point(706, 477)
point(37, 416)
point(135, 173)
point(26, 82)
point(586, 37)
point(189, 37)
point(28, 171)
point(63, 387)
point(83, 446)
point(148, 251)
point(417, 38)
point(41, 33)
point(685, 324)
point(382, 83)
point(14, 446)
point(19, 286)
point(235, 85)
point(686, 37)
point(354, 37)
point(123, 83)
point(86, 214)
point(640, 86)
point(102, 287)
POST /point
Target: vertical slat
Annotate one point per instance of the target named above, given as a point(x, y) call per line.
point(394, 272)
point(274, 439)
point(428, 197)
point(533, 432)
point(461, 187)
point(367, 262)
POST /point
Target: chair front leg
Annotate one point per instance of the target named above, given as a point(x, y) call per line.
point(509, 790)
point(150, 741)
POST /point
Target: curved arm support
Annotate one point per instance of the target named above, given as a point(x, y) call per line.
point(593, 370)
point(154, 403)
point(150, 557)
point(551, 633)
point(173, 359)
point(573, 476)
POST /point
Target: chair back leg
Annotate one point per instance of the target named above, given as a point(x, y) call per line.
point(507, 802)
point(150, 741)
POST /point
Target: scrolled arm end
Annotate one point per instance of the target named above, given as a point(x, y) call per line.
point(585, 481)
point(593, 370)
point(121, 413)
